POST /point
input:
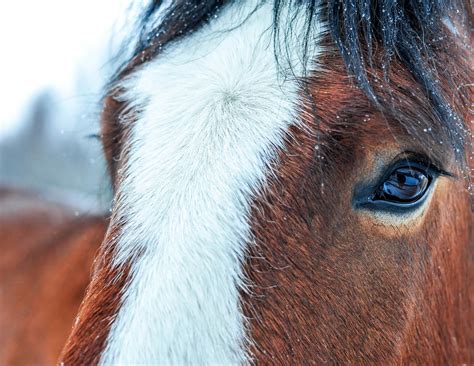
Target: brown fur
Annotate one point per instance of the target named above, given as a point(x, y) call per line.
point(96, 315)
point(333, 285)
point(99, 307)
point(47, 254)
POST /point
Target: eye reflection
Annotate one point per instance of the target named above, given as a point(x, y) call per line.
point(405, 185)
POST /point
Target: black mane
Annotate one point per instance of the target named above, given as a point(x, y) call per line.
point(409, 30)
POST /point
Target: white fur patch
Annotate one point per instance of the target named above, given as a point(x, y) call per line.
point(214, 110)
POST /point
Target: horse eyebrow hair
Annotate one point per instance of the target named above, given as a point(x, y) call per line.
point(408, 31)
point(436, 153)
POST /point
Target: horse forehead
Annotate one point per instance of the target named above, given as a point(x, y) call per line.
point(211, 116)
point(230, 62)
point(215, 102)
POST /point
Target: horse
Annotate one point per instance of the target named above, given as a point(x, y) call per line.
point(291, 186)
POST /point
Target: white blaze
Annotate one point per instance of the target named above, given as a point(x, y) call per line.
point(213, 113)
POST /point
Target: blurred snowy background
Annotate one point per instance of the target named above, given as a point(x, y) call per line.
point(56, 57)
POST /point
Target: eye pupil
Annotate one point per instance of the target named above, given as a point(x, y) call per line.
point(401, 178)
point(404, 185)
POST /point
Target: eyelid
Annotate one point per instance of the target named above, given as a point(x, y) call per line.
point(422, 160)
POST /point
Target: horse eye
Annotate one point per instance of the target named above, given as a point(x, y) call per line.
point(404, 186)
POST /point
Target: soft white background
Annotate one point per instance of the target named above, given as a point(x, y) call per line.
point(52, 43)
point(55, 58)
